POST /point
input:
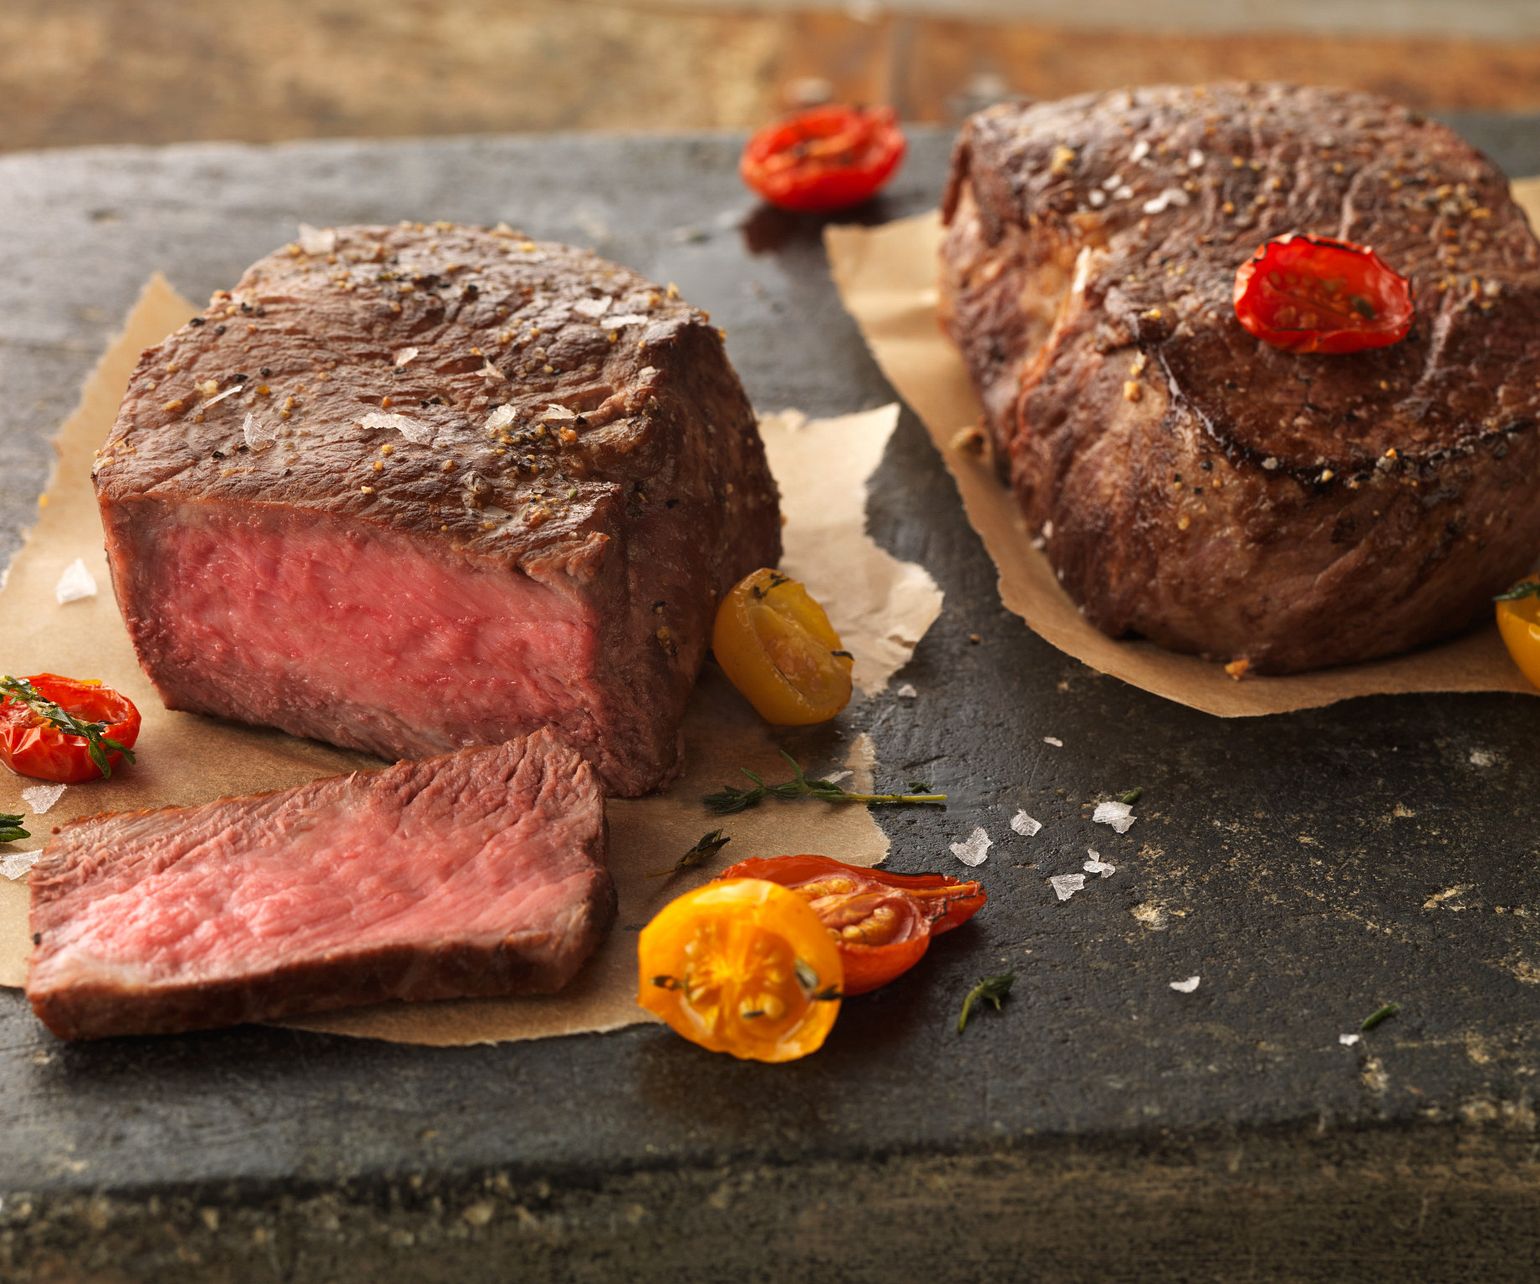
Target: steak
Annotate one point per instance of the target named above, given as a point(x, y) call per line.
point(419, 487)
point(477, 873)
point(1192, 484)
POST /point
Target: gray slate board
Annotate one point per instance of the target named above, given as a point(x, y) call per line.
point(1102, 1124)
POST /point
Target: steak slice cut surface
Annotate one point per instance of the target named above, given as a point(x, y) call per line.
point(1191, 484)
point(423, 487)
point(476, 873)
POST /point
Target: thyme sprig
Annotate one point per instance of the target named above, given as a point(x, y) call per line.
point(98, 742)
point(706, 846)
point(10, 828)
point(729, 800)
point(990, 989)
point(1380, 1014)
point(1526, 588)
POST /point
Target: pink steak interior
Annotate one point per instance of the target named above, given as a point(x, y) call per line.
point(349, 633)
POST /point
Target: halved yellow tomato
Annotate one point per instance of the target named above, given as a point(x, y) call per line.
point(743, 966)
point(778, 648)
point(1518, 620)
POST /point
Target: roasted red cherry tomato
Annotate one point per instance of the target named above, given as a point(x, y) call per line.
point(64, 729)
point(1518, 620)
point(825, 158)
point(882, 922)
point(1317, 294)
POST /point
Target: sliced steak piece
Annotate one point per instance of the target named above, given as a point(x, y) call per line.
point(1193, 484)
point(429, 487)
point(477, 873)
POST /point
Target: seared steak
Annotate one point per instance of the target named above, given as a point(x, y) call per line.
point(426, 487)
point(1192, 484)
point(478, 873)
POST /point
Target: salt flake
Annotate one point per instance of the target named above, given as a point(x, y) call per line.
point(1187, 986)
point(41, 797)
point(1171, 196)
point(1195, 159)
point(592, 307)
point(1347, 1040)
point(1482, 758)
point(405, 357)
point(76, 584)
point(554, 413)
point(1054, 741)
point(1096, 865)
point(1024, 825)
point(630, 318)
point(1066, 885)
point(907, 692)
point(1141, 150)
point(258, 435)
point(1096, 198)
point(834, 777)
point(501, 418)
point(317, 240)
point(1117, 814)
point(974, 849)
point(413, 430)
point(14, 864)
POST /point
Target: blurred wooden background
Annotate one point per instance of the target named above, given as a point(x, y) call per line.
point(101, 71)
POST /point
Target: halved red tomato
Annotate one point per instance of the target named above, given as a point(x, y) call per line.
point(825, 158)
point(881, 921)
point(1319, 294)
point(64, 729)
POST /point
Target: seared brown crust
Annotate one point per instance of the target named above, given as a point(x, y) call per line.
point(647, 505)
point(1192, 484)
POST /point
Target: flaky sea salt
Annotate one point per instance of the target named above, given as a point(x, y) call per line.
point(14, 864)
point(1187, 986)
point(76, 584)
point(907, 692)
point(1141, 150)
point(1171, 196)
point(1117, 814)
point(1024, 825)
point(405, 357)
point(1347, 1040)
point(1096, 865)
point(501, 418)
point(317, 240)
point(974, 849)
point(630, 318)
point(1482, 758)
point(258, 435)
point(1054, 741)
point(41, 797)
point(415, 431)
point(1066, 885)
point(592, 307)
point(557, 414)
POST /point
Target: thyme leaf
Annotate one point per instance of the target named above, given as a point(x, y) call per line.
point(706, 846)
point(1380, 1014)
point(990, 989)
point(729, 800)
point(98, 743)
point(1527, 588)
point(1132, 796)
point(10, 828)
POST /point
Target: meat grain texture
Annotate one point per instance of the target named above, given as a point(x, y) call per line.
point(1191, 484)
point(477, 873)
point(411, 488)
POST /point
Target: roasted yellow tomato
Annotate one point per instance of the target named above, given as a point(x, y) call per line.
point(1518, 620)
point(742, 966)
point(778, 648)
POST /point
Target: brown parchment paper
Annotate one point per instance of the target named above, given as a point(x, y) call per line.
point(887, 279)
point(822, 468)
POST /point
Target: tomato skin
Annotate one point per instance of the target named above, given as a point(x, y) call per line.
point(826, 158)
point(1318, 294)
point(742, 966)
point(1519, 623)
point(31, 746)
point(916, 908)
point(778, 648)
